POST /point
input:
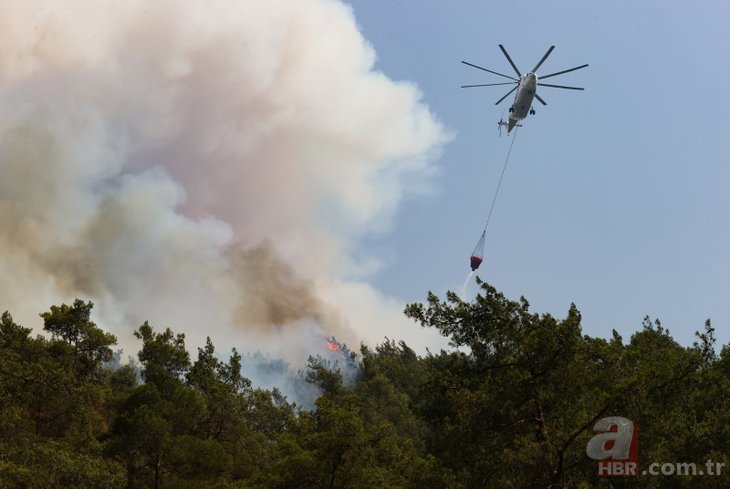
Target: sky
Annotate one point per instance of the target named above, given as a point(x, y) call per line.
point(615, 198)
point(273, 173)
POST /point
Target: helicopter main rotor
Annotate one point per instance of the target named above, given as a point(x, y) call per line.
point(516, 81)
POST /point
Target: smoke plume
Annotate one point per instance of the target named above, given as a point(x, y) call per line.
point(208, 166)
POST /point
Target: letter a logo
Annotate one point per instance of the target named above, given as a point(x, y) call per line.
point(598, 446)
point(615, 446)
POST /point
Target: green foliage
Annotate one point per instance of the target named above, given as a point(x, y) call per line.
point(512, 404)
point(531, 388)
point(86, 346)
point(37, 463)
point(164, 357)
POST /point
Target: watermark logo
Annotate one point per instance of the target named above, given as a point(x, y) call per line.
point(616, 447)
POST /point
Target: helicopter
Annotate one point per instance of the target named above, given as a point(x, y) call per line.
point(526, 87)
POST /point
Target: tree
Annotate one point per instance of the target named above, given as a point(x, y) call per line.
point(512, 404)
point(519, 407)
point(164, 358)
point(54, 404)
point(88, 346)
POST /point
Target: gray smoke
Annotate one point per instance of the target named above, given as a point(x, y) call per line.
point(207, 166)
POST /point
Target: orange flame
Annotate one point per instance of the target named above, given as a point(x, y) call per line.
point(332, 345)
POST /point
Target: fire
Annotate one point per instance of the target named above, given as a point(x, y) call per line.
point(334, 346)
point(344, 357)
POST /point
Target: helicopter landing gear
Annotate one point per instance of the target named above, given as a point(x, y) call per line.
point(532, 111)
point(511, 109)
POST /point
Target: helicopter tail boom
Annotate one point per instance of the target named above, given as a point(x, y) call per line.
point(509, 125)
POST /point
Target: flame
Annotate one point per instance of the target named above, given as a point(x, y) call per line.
point(334, 346)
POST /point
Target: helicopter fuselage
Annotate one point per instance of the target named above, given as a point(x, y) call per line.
point(522, 104)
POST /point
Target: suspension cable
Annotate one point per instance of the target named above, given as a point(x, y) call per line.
point(496, 193)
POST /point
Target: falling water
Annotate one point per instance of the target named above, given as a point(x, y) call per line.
point(466, 282)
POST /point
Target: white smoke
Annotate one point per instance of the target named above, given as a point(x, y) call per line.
point(207, 166)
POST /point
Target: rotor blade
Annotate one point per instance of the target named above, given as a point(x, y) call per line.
point(510, 61)
point(541, 100)
point(505, 96)
point(489, 71)
point(488, 85)
point(561, 72)
point(543, 59)
point(559, 86)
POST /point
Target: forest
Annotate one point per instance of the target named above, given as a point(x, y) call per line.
point(512, 404)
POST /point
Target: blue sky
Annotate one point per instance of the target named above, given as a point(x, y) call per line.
point(615, 198)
